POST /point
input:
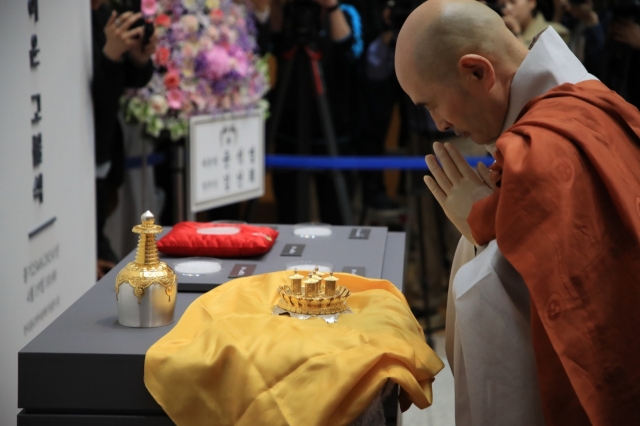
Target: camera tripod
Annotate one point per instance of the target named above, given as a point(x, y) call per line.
point(308, 60)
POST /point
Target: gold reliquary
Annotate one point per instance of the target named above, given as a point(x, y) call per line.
point(146, 289)
point(314, 295)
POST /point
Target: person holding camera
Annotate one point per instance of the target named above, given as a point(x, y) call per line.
point(121, 58)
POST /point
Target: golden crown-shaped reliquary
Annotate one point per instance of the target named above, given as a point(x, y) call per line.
point(315, 295)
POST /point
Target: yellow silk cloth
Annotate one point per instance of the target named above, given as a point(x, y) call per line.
point(229, 361)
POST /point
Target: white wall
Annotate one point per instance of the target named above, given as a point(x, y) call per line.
point(60, 261)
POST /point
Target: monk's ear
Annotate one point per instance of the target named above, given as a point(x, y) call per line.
point(477, 70)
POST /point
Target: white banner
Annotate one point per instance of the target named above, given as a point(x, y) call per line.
point(226, 159)
point(47, 219)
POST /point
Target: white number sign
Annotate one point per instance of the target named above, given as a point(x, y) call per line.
point(226, 159)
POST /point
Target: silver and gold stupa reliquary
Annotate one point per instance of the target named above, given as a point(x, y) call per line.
point(146, 289)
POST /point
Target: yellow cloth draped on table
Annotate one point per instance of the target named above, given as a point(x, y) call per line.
point(229, 361)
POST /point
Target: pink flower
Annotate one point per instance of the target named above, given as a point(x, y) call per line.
point(148, 7)
point(175, 98)
point(217, 62)
point(172, 80)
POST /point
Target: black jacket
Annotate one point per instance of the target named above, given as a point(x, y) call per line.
point(109, 81)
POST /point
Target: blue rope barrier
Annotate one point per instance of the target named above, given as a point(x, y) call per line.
point(326, 162)
point(357, 163)
point(152, 160)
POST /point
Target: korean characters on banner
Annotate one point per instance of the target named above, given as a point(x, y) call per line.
point(226, 159)
point(41, 272)
point(36, 101)
point(47, 173)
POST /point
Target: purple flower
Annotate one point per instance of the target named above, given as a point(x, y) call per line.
point(217, 61)
point(200, 64)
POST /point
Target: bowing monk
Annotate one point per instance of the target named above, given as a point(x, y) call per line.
point(556, 221)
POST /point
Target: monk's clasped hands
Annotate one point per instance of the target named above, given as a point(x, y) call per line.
point(456, 185)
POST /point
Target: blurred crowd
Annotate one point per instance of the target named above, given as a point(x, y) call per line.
point(353, 41)
point(604, 35)
point(362, 86)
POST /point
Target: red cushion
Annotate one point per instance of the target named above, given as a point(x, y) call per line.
point(217, 240)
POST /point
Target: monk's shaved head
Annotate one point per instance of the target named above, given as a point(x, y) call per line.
point(448, 42)
point(444, 31)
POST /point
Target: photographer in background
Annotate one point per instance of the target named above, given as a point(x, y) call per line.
point(121, 58)
point(329, 27)
point(523, 19)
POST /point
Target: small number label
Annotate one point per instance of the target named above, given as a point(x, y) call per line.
point(292, 250)
point(242, 270)
point(355, 270)
point(359, 234)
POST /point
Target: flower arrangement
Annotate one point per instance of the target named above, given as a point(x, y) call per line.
point(205, 63)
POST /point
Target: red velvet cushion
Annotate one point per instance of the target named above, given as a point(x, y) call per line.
point(204, 239)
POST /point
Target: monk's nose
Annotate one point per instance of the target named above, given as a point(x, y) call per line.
point(443, 125)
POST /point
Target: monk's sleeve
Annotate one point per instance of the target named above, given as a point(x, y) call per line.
point(482, 219)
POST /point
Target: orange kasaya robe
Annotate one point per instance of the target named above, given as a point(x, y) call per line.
point(566, 215)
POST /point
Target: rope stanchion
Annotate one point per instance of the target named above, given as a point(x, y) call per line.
point(357, 163)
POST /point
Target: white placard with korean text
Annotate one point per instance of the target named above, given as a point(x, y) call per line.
point(226, 159)
point(47, 174)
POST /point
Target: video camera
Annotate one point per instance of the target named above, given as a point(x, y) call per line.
point(302, 23)
point(122, 6)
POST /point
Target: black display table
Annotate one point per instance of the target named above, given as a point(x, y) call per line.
point(86, 369)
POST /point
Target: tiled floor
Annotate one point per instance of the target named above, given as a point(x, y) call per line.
point(442, 412)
